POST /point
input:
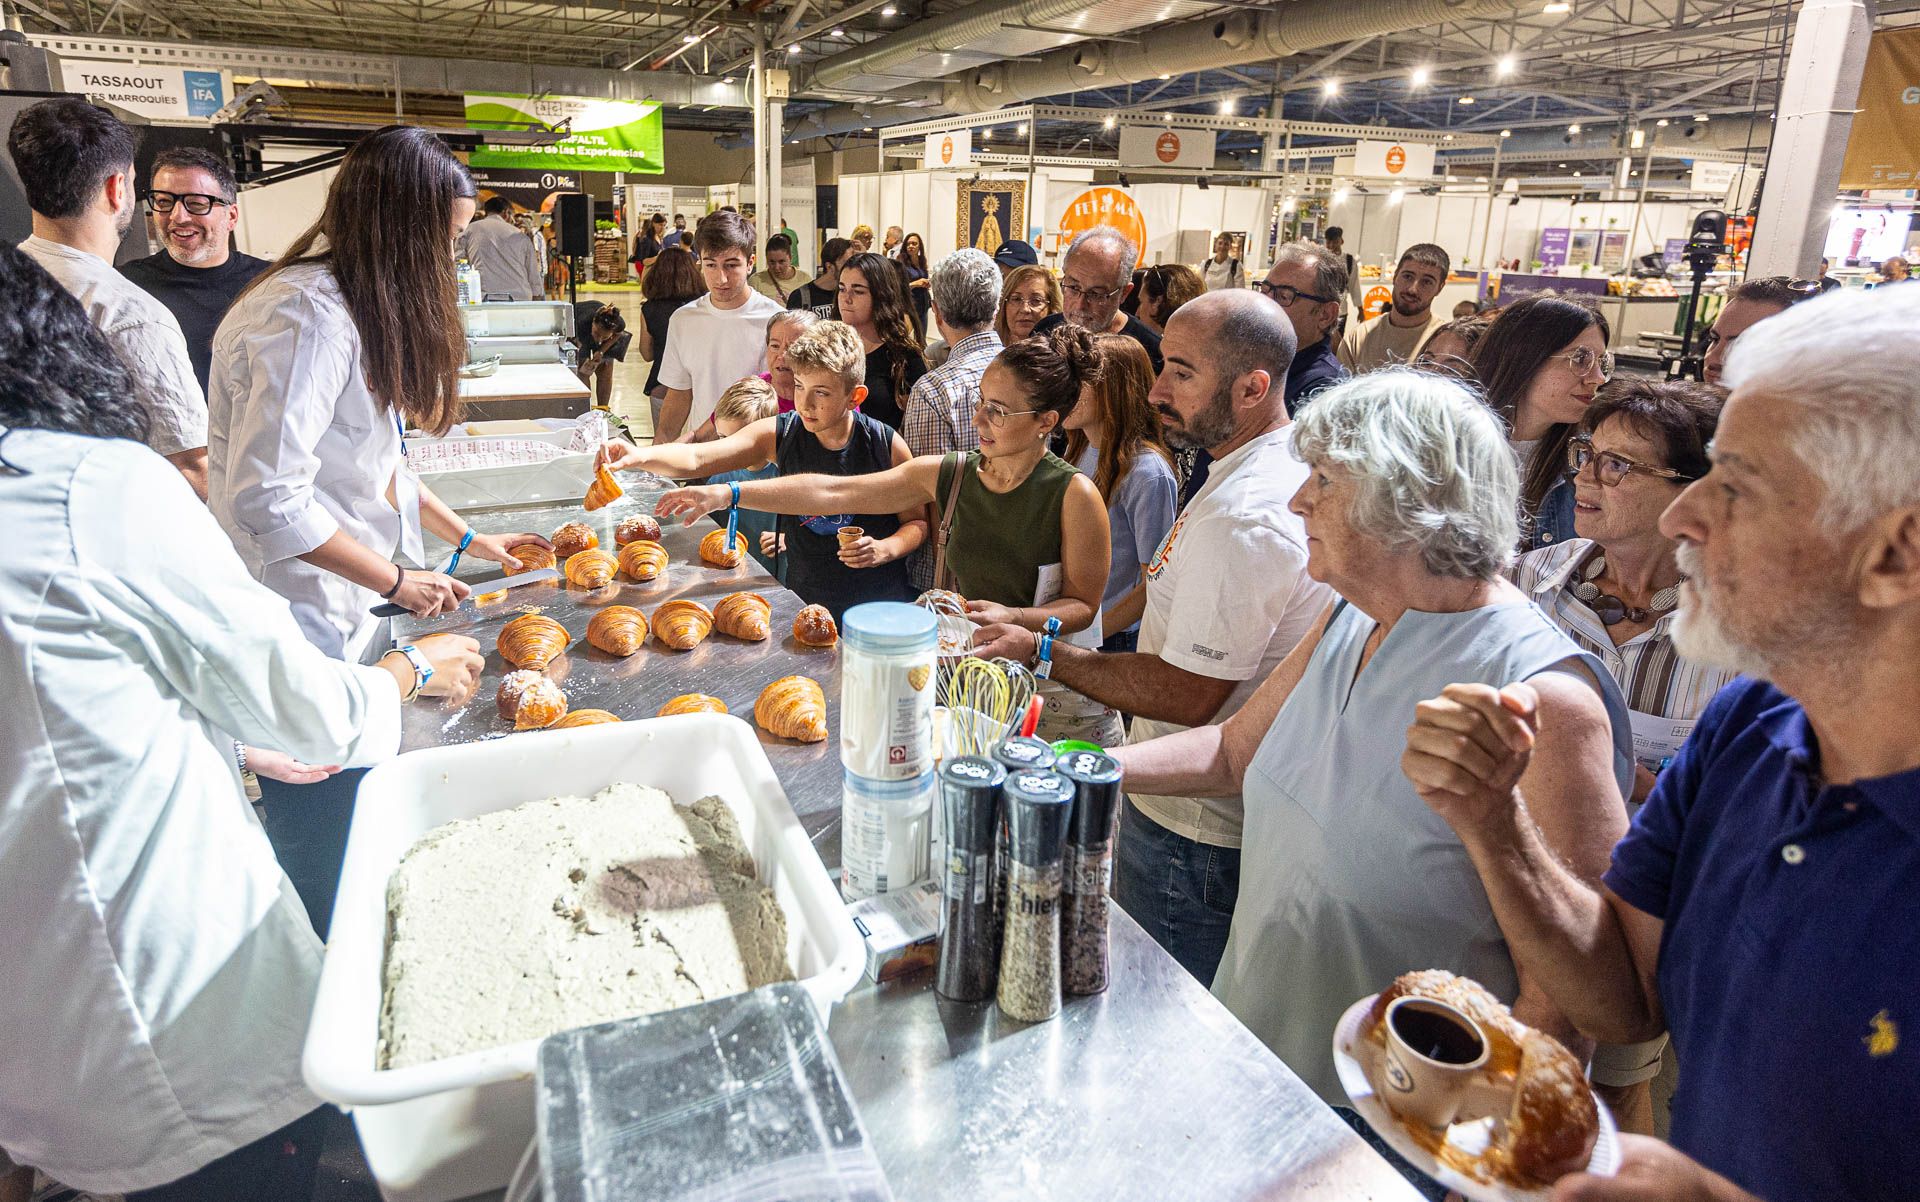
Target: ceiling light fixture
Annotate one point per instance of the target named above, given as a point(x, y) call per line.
point(1022, 129)
point(1396, 196)
point(1107, 124)
point(1574, 128)
point(1504, 67)
point(1446, 137)
point(689, 40)
point(1330, 88)
point(1703, 117)
point(726, 80)
point(793, 49)
point(1420, 77)
point(1466, 100)
point(1164, 75)
point(1661, 123)
point(889, 11)
point(1506, 133)
point(1339, 196)
point(1556, 6)
point(839, 33)
point(1226, 108)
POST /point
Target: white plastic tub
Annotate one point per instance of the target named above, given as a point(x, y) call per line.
point(456, 1127)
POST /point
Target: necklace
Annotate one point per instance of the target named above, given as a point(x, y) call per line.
point(1610, 609)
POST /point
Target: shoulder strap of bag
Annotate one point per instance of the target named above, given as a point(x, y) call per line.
point(941, 577)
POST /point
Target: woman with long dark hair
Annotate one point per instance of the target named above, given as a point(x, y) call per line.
point(1540, 363)
point(319, 365)
point(911, 261)
point(671, 282)
point(874, 303)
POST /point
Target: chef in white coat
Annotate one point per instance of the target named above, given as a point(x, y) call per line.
point(158, 971)
point(316, 368)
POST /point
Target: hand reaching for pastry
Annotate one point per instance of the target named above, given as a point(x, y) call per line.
point(456, 662)
point(1651, 1171)
point(692, 504)
point(1004, 640)
point(619, 455)
point(1468, 748)
point(499, 547)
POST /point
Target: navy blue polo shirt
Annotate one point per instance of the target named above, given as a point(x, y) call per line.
point(1790, 961)
point(1314, 369)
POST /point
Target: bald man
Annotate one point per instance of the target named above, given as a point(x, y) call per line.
point(1207, 640)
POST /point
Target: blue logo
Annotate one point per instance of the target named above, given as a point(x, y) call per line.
point(828, 524)
point(204, 93)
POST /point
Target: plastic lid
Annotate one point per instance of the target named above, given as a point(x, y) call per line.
point(1023, 751)
point(1090, 767)
point(972, 772)
point(886, 627)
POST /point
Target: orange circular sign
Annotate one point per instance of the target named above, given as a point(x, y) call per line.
point(1377, 300)
point(1396, 159)
point(946, 150)
point(1102, 206)
point(1166, 147)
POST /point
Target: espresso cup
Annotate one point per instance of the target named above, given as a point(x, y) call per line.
point(850, 535)
point(1434, 1056)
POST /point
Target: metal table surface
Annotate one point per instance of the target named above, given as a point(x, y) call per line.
point(1151, 1090)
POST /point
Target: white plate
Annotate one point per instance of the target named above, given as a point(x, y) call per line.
point(1350, 1057)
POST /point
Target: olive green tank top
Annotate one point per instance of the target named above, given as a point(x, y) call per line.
point(999, 541)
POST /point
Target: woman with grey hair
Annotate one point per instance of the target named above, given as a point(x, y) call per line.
point(1347, 879)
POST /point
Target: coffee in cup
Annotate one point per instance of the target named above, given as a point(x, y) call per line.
point(1434, 1056)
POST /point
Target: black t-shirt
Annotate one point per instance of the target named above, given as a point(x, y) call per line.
point(196, 296)
point(656, 314)
point(1135, 329)
point(884, 403)
point(814, 570)
point(811, 295)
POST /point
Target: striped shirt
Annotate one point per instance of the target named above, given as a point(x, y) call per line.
point(939, 417)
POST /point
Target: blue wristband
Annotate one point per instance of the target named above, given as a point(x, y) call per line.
point(735, 486)
point(466, 540)
point(1043, 670)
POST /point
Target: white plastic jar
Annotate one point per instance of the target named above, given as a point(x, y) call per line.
point(887, 683)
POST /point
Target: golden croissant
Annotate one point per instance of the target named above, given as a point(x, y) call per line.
point(713, 549)
point(530, 701)
point(603, 491)
point(573, 538)
point(532, 641)
point(643, 561)
point(592, 568)
point(692, 703)
point(813, 627)
point(584, 718)
point(743, 615)
point(793, 707)
point(532, 557)
point(618, 630)
point(640, 528)
point(682, 624)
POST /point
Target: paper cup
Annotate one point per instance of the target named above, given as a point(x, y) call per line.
point(850, 535)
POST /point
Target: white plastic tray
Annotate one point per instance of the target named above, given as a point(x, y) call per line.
point(455, 1127)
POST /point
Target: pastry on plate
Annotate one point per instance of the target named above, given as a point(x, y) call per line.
point(532, 557)
point(713, 549)
point(592, 568)
point(530, 701)
point(744, 616)
point(793, 707)
point(640, 528)
point(618, 630)
point(692, 703)
point(573, 538)
point(532, 641)
point(584, 718)
point(813, 627)
point(643, 561)
point(682, 624)
point(604, 491)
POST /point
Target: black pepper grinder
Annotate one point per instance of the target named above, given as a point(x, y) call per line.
point(1015, 753)
point(969, 945)
point(1038, 807)
point(1089, 869)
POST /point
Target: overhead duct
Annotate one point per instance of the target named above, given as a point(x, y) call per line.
point(945, 33)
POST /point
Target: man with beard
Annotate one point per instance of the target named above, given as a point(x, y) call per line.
point(1225, 597)
point(76, 163)
point(195, 208)
point(1762, 905)
point(1397, 335)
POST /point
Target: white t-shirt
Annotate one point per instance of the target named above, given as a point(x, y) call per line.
point(710, 349)
point(146, 336)
point(1228, 596)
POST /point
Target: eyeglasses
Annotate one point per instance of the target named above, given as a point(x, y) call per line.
point(998, 414)
point(1090, 296)
point(1582, 359)
point(197, 203)
point(1610, 468)
point(1284, 295)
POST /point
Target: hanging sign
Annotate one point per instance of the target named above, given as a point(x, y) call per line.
point(525, 188)
point(1102, 206)
point(1158, 146)
point(607, 135)
point(1883, 151)
point(953, 149)
point(162, 93)
point(1394, 160)
point(1713, 179)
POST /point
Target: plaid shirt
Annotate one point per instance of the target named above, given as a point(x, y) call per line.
point(939, 417)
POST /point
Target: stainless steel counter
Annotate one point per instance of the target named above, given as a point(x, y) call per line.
point(1150, 1091)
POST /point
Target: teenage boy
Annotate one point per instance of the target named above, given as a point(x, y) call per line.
point(717, 339)
point(824, 434)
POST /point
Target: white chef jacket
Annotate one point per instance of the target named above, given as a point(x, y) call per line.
point(299, 447)
point(158, 970)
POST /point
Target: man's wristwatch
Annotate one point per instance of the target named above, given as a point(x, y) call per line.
point(422, 670)
point(1043, 670)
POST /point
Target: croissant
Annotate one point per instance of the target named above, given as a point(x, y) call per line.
point(813, 627)
point(591, 568)
point(682, 624)
point(793, 707)
point(532, 557)
point(603, 491)
point(692, 703)
point(573, 538)
point(584, 718)
point(618, 630)
point(640, 528)
point(532, 641)
point(743, 615)
point(643, 561)
point(713, 549)
point(530, 701)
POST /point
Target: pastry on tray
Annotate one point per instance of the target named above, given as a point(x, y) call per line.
point(682, 624)
point(643, 561)
point(592, 568)
point(692, 703)
point(713, 549)
point(532, 557)
point(640, 528)
point(744, 616)
point(530, 701)
point(604, 491)
point(813, 627)
point(618, 630)
point(532, 641)
point(793, 707)
point(584, 718)
point(573, 538)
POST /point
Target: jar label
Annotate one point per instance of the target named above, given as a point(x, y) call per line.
point(1089, 868)
point(886, 715)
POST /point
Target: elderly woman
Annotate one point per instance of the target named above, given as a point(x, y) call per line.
point(1347, 879)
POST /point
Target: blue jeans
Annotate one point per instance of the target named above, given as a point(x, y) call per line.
point(1181, 891)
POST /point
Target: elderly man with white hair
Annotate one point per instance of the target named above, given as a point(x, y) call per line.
point(1094, 277)
point(965, 291)
point(1346, 878)
point(1764, 904)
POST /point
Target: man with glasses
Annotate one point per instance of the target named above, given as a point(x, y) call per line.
point(1094, 277)
point(1307, 281)
point(718, 339)
point(1397, 335)
point(1748, 305)
point(198, 273)
point(75, 162)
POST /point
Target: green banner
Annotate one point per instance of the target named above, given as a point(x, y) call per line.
point(606, 135)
